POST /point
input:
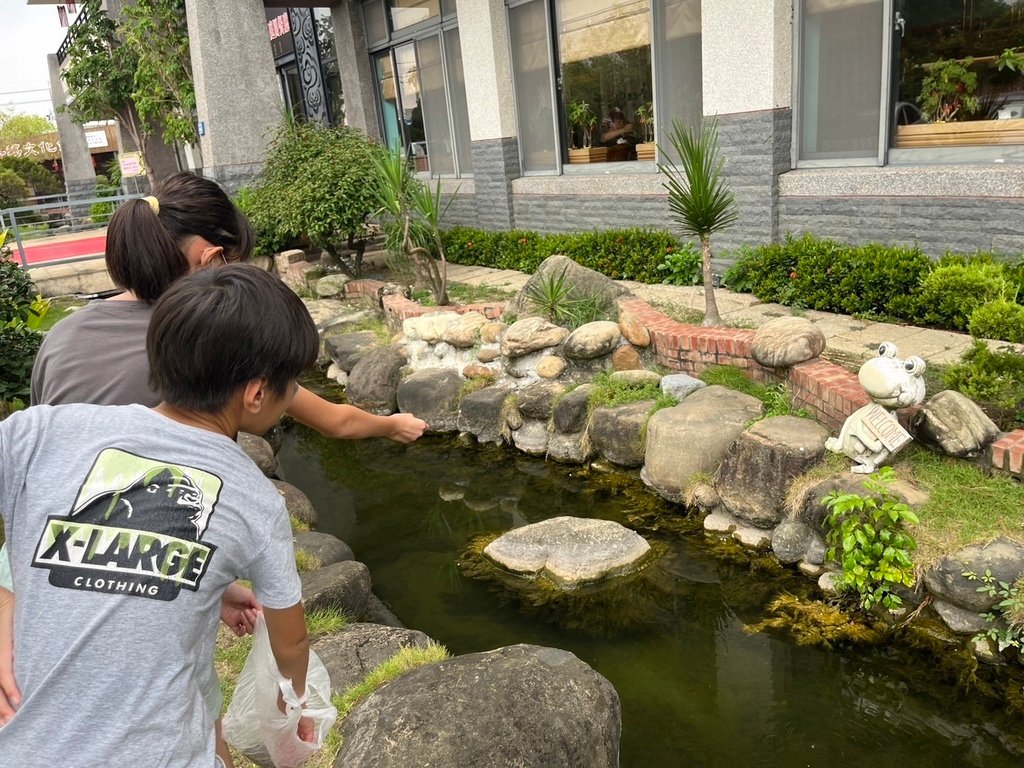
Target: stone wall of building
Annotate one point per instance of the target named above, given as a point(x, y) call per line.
point(495, 164)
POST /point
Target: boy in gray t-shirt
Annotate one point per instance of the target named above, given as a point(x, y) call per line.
point(126, 524)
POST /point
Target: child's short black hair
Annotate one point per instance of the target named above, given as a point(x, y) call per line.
point(218, 329)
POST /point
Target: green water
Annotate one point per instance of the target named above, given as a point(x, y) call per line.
point(696, 688)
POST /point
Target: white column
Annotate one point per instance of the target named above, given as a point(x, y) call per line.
point(487, 62)
point(747, 53)
point(354, 67)
point(238, 99)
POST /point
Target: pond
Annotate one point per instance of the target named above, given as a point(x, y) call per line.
point(697, 688)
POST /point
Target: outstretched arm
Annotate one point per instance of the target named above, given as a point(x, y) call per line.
point(10, 696)
point(350, 423)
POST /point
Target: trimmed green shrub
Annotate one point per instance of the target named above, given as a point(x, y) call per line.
point(622, 254)
point(269, 239)
point(992, 379)
point(950, 293)
point(40, 179)
point(19, 342)
point(999, 319)
point(13, 190)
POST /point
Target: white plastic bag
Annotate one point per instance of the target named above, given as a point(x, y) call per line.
point(255, 725)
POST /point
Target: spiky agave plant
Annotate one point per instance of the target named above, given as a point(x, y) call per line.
point(699, 198)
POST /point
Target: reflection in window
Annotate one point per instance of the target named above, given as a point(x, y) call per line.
point(329, 64)
point(457, 91)
point(841, 76)
point(679, 71)
point(388, 95)
point(937, 41)
point(531, 65)
point(405, 13)
point(605, 58)
point(408, 79)
point(435, 107)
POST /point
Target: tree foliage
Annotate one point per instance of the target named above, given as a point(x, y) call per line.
point(15, 128)
point(318, 183)
point(156, 33)
point(13, 189)
point(41, 179)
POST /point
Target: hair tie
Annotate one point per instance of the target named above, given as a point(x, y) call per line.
point(154, 204)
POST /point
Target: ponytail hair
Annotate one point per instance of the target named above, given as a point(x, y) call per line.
point(146, 249)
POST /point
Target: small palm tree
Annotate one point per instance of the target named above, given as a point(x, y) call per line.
point(700, 200)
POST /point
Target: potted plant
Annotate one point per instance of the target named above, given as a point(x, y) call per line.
point(582, 121)
point(947, 91)
point(645, 150)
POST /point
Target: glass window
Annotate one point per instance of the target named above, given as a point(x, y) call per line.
point(840, 78)
point(441, 159)
point(457, 92)
point(605, 60)
point(957, 51)
point(405, 13)
point(679, 72)
point(375, 26)
point(329, 64)
point(407, 77)
point(387, 92)
point(531, 72)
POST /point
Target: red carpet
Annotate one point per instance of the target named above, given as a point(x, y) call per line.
point(39, 252)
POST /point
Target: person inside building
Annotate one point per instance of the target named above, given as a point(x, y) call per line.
point(617, 135)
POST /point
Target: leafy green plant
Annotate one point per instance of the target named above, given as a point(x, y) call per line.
point(698, 197)
point(412, 216)
point(645, 116)
point(608, 392)
point(994, 379)
point(581, 118)
point(947, 91)
point(681, 265)
point(1011, 59)
point(40, 179)
point(1000, 319)
point(777, 402)
point(551, 296)
point(13, 189)
point(269, 238)
point(21, 312)
point(319, 183)
point(866, 535)
point(1006, 618)
point(950, 293)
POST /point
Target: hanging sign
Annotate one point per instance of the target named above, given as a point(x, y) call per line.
point(131, 164)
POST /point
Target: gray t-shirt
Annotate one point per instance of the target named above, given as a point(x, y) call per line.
point(96, 354)
point(124, 529)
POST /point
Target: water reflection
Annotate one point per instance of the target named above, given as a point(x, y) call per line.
point(697, 688)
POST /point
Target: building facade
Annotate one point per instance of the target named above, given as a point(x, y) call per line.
point(891, 120)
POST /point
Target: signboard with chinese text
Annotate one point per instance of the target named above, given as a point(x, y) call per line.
point(131, 164)
point(280, 30)
point(96, 139)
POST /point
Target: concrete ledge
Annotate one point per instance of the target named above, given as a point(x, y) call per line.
point(79, 277)
point(905, 181)
point(617, 184)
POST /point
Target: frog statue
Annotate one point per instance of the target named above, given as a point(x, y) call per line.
point(872, 434)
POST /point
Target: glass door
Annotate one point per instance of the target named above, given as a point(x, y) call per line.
point(388, 92)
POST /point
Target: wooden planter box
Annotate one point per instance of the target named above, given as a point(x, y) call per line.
point(645, 151)
point(966, 134)
point(588, 155)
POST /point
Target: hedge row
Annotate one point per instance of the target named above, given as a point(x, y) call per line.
point(621, 254)
point(894, 282)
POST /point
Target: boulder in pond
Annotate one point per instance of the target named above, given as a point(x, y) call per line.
point(260, 451)
point(373, 381)
point(570, 448)
point(791, 541)
point(759, 467)
point(296, 502)
point(324, 547)
point(523, 705)
point(480, 413)
point(617, 432)
point(693, 437)
point(433, 395)
point(569, 550)
point(351, 654)
point(429, 328)
point(536, 401)
point(346, 349)
point(344, 586)
point(531, 436)
point(571, 411)
point(1002, 556)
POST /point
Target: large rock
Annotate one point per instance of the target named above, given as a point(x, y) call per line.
point(693, 437)
point(581, 282)
point(573, 448)
point(464, 332)
point(324, 547)
point(636, 378)
point(373, 382)
point(326, 313)
point(536, 401)
point(946, 580)
point(491, 333)
point(679, 385)
point(953, 423)
point(433, 395)
point(786, 341)
point(759, 467)
point(344, 586)
point(346, 349)
point(523, 706)
point(551, 367)
point(531, 335)
point(569, 550)
point(960, 620)
point(571, 411)
point(480, 413)
point(332, 285)
point(296, 502)
point(429, 328)
point(634, 331)
point(531, 437)
point(260, 451)
point(618, 432)
point(806, 503)
point(626, 358)
point(351, 654)
point(592, 340)
point(792, 541)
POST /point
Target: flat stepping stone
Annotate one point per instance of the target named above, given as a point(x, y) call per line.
point(569, 550)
